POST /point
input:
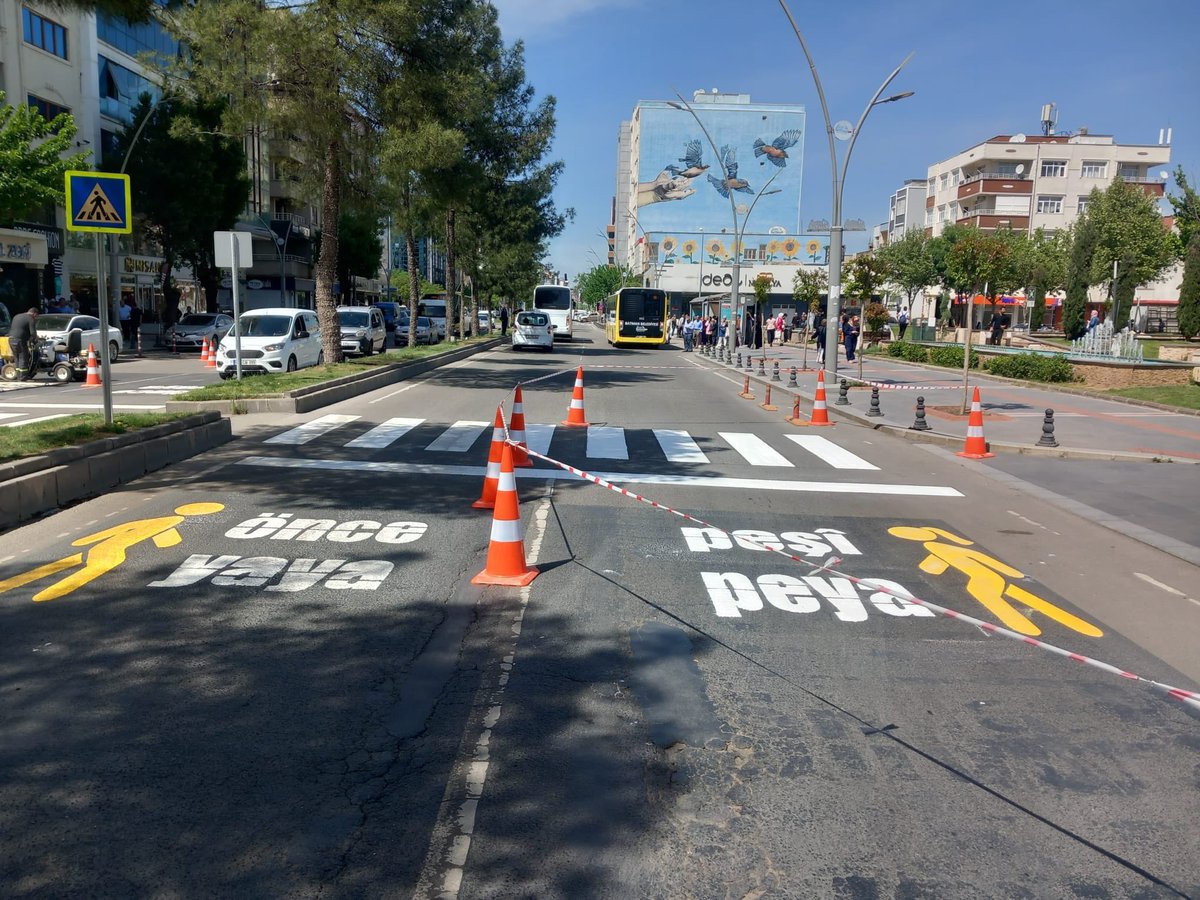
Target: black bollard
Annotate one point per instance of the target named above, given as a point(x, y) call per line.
point(792, 378)
point(749, 362)
point(739, 359)
point(775, 372)
point(843, 394)
point(874, 410)
point(919, 424)
point(762, 366)
point(1047, 439)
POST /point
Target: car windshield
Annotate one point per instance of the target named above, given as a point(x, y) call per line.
point(53, 323)
point(353, 318)
point(198, 319)
point(266, 326)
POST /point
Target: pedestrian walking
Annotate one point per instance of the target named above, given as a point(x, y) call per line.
point(123, 313)
point(504, 320)
point(135, 323)
point(770, 331)
point(819, 329)
point(850, 336)
point(903, 320)
point(997, 329)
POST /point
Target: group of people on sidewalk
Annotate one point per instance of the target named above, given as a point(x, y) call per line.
point(696, 331)
point(703, 331)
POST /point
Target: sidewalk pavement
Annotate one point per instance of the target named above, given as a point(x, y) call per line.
point(1085, 426)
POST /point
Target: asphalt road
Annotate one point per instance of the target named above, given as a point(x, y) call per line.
point(254, 705)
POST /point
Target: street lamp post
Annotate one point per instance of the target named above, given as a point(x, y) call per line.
point(281, 249)
point(839, 181)
point(738, 232)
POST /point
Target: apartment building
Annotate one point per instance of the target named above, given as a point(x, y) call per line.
point(906, 209)
point(1030, 182)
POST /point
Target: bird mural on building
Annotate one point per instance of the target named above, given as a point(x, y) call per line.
point(731, 182)
point(692, 160)
point(776, 151)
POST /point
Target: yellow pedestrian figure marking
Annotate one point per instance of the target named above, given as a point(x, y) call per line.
point(108, 550)
point(988, 580)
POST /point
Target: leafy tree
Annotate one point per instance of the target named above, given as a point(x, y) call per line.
point(876, 316)
point(909, 264)
point(1079, 266)
point(939, 251)
point(1044, 270)
point(1186, 206)
point(862, 277)
point(180, 148)
point(808, 285)
point(33, 160)
point(1189, 290)
point(601, 281)
point(1129, 231)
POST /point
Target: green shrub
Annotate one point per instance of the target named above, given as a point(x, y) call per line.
point(1031, 367)
point(951, 357)
point(908, 351)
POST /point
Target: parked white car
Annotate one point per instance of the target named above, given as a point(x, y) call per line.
point(273, 341)
point(533, 329)
point(363, 329)
point(56, 326)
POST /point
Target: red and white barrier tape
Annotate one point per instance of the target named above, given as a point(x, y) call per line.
point(1192, 698)
point(883, 385)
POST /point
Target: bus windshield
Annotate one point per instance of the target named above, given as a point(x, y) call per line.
point(552, 297)
point(641, 306)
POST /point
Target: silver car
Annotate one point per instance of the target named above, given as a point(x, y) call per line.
point(190, 332)
point(363, 330)
point(57, 325)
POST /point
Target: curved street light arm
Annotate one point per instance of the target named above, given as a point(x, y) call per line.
point(761, 194)
point(861, 120)
point(812, 67)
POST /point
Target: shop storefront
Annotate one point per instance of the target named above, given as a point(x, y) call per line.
point(26, 278)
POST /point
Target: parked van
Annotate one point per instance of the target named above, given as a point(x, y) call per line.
point(273, 341)
point(435, 308)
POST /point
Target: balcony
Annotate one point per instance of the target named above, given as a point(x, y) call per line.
point(990, 218)
point(994, 184)
point(287, 188)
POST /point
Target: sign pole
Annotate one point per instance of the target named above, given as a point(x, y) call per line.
point(102, 310)
point(237, 304)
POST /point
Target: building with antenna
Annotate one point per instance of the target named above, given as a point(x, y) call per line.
point(1039, 181)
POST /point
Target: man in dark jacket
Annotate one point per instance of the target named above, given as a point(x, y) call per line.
point(504, 320)
point(22, 335)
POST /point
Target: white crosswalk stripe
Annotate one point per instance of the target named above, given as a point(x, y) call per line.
point(459, 437)
point(822, 448)
point(538, 438)
point(385, 433)
point(10, 415)
point(679, 446)
point(606, 442)
point(754, 449)
point(302, 434)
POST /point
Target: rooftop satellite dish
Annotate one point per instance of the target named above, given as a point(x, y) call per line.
point(1020, 170)
point(1017, 139)
point(715, 91)
point(1164, 175)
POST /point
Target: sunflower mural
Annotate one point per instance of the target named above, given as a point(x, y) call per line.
point(688, 250)
point(716, 250)
point(815, 250)
point(790, 248)
point(667, 247)
point(772, 250)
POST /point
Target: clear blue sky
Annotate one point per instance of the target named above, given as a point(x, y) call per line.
point(1117, 68)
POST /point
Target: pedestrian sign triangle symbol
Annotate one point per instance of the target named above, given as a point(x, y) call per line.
point(98, 208)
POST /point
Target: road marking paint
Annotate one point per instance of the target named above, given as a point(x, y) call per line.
point(827, 450)
point(606, 442)
point(763, 484)
point(538, 437)
point(1166, 587)
point(96, 406)
point(459, 437)
point(471, 360)
point(302, 434)
point(31, 421)
point(754, 449)
point(385, 433)
point(679, 446)
point(9, 415)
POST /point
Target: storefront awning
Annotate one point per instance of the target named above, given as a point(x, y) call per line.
point(23, 247)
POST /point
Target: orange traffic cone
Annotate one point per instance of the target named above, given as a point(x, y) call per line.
point(93, 368)
point(204, 350)
point(820, 413)
point(212, 355)
point(575, 413)
point(976, 446)
point(506, 549)
point(516, 432)
point(487, 500)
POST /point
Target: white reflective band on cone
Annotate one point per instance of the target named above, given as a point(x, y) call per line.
point(506, 531)
point(508, 482)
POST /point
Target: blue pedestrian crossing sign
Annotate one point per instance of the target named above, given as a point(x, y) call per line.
point(98, 201)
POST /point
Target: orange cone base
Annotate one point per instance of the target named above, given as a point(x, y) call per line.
point(768, 407)
point(965, 455)
point(483, 504)
point(571, 424)
point(521, 459)
point(510, 580)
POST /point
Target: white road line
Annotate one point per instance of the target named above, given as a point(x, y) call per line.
point(9, 415)
point(302, 434)
point(606, 442)
point(823, 448)
point(759, 484)
point(1166, 587)
point(469, 361)
point(459, 437)
point(754, 449)
point(95, 406)
point(385, 433)
point(31, 421)
point(679, 446)
point(538, 438)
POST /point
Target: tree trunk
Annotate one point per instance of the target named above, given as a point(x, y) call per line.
point(452, 298)
point(326, 273)
point(414, 278)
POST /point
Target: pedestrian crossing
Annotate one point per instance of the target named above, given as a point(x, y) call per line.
point(601, 442)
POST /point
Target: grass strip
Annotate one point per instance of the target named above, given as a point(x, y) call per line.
point(19, 441)
point(1186, 396)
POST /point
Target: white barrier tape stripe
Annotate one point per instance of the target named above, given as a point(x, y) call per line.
point(1192, 698)
point(883, 385)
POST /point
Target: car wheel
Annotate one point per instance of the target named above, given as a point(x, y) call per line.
point(368, 347)
point(291, 364)
point(225, 376)
point(114, 350)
